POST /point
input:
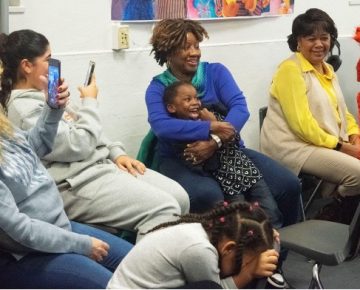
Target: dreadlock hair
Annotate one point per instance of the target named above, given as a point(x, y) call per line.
point(169, 35)
point(245, 223)
point(309, 22)
point(172, 90)
point(18, 45)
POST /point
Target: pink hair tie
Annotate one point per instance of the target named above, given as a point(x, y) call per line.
point(222, 219)
point(250, 233)
point(226, 203)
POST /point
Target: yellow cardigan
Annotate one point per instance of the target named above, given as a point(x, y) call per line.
point(306, 110)
point(301, 120)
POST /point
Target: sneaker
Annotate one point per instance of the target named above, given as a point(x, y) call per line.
point(278, 281)
point(275, 281)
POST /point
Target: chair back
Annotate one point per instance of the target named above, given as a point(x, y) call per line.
point(262, 115)
point(354, 235)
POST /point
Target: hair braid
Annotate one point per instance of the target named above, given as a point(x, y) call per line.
point(242, 222)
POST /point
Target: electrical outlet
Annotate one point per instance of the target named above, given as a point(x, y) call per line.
point(123, 36)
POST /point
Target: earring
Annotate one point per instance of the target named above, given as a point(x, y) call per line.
point(298, 47)
point(168, 63)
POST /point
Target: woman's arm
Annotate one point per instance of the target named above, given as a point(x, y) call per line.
point(41, 136)
point(289, 88)
point(36, 234)
point(228, 92)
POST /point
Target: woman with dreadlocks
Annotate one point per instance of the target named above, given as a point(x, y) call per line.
point(231, 245)
point(176, 43)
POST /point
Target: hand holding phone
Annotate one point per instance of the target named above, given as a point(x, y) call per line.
point(54, 74)
point(89, 73)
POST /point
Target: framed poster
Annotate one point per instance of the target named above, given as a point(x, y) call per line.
point(152, 10)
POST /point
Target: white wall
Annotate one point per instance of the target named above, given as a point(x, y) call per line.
point(81, 30)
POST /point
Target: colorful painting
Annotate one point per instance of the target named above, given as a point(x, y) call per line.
point(149, 10)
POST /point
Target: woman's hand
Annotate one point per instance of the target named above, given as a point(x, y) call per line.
point(131, 165)
point(355, 139)
point(63, 96)
point(99, 249)
point(199, 151)
point(350, 149)
point(224, 130)
point(90, 91)
point(206, 115)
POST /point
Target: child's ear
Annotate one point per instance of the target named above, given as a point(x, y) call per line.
point(171, 108)
point(227, 247)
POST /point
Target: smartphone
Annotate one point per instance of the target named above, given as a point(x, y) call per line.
point(89, 73)
point(54, 75)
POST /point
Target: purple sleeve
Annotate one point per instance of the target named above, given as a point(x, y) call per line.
point(230, 95)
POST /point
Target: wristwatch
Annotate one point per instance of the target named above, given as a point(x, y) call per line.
point(217, 139)
point(338, 146)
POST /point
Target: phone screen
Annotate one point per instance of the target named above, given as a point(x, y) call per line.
point(54, 81)
point(89, 73)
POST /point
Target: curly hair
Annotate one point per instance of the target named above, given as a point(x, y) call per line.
point(245, 223)
point(18, 45)
point(309, 22)
point(169, 35)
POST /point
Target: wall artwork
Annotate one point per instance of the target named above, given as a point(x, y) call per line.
point(152, 10)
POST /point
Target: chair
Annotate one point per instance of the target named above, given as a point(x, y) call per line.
point(302, 176)
point(324, 242)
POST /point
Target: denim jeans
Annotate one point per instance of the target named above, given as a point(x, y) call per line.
point(43, 270)
point(284, 186)
point(278, 193)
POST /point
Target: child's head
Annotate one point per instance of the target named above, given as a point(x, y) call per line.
point(180, 99)
point(234, 229)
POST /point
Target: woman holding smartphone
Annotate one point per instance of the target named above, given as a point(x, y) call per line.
point(39, 246)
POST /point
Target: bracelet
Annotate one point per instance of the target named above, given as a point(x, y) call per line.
point(217, 139)
point(338, 146)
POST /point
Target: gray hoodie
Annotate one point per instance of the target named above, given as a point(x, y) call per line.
point(79, 143)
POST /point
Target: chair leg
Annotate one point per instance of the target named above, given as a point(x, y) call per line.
point(315, 282)
point(313, 194)
point(302, 209)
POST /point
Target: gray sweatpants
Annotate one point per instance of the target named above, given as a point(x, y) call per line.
point(117, 199)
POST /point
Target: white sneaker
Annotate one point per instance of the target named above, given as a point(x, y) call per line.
point(276, 281)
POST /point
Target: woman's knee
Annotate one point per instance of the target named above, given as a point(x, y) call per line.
point(204, 195)
point(182, 198)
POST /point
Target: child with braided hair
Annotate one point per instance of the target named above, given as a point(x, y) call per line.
point(230, 245)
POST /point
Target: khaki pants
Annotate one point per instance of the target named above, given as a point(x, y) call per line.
point(337, 168)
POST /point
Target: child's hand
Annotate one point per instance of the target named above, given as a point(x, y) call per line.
point(206, 115)
point(276, 236)
point(256, 265)
point(89, 91)
point(265, 264)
